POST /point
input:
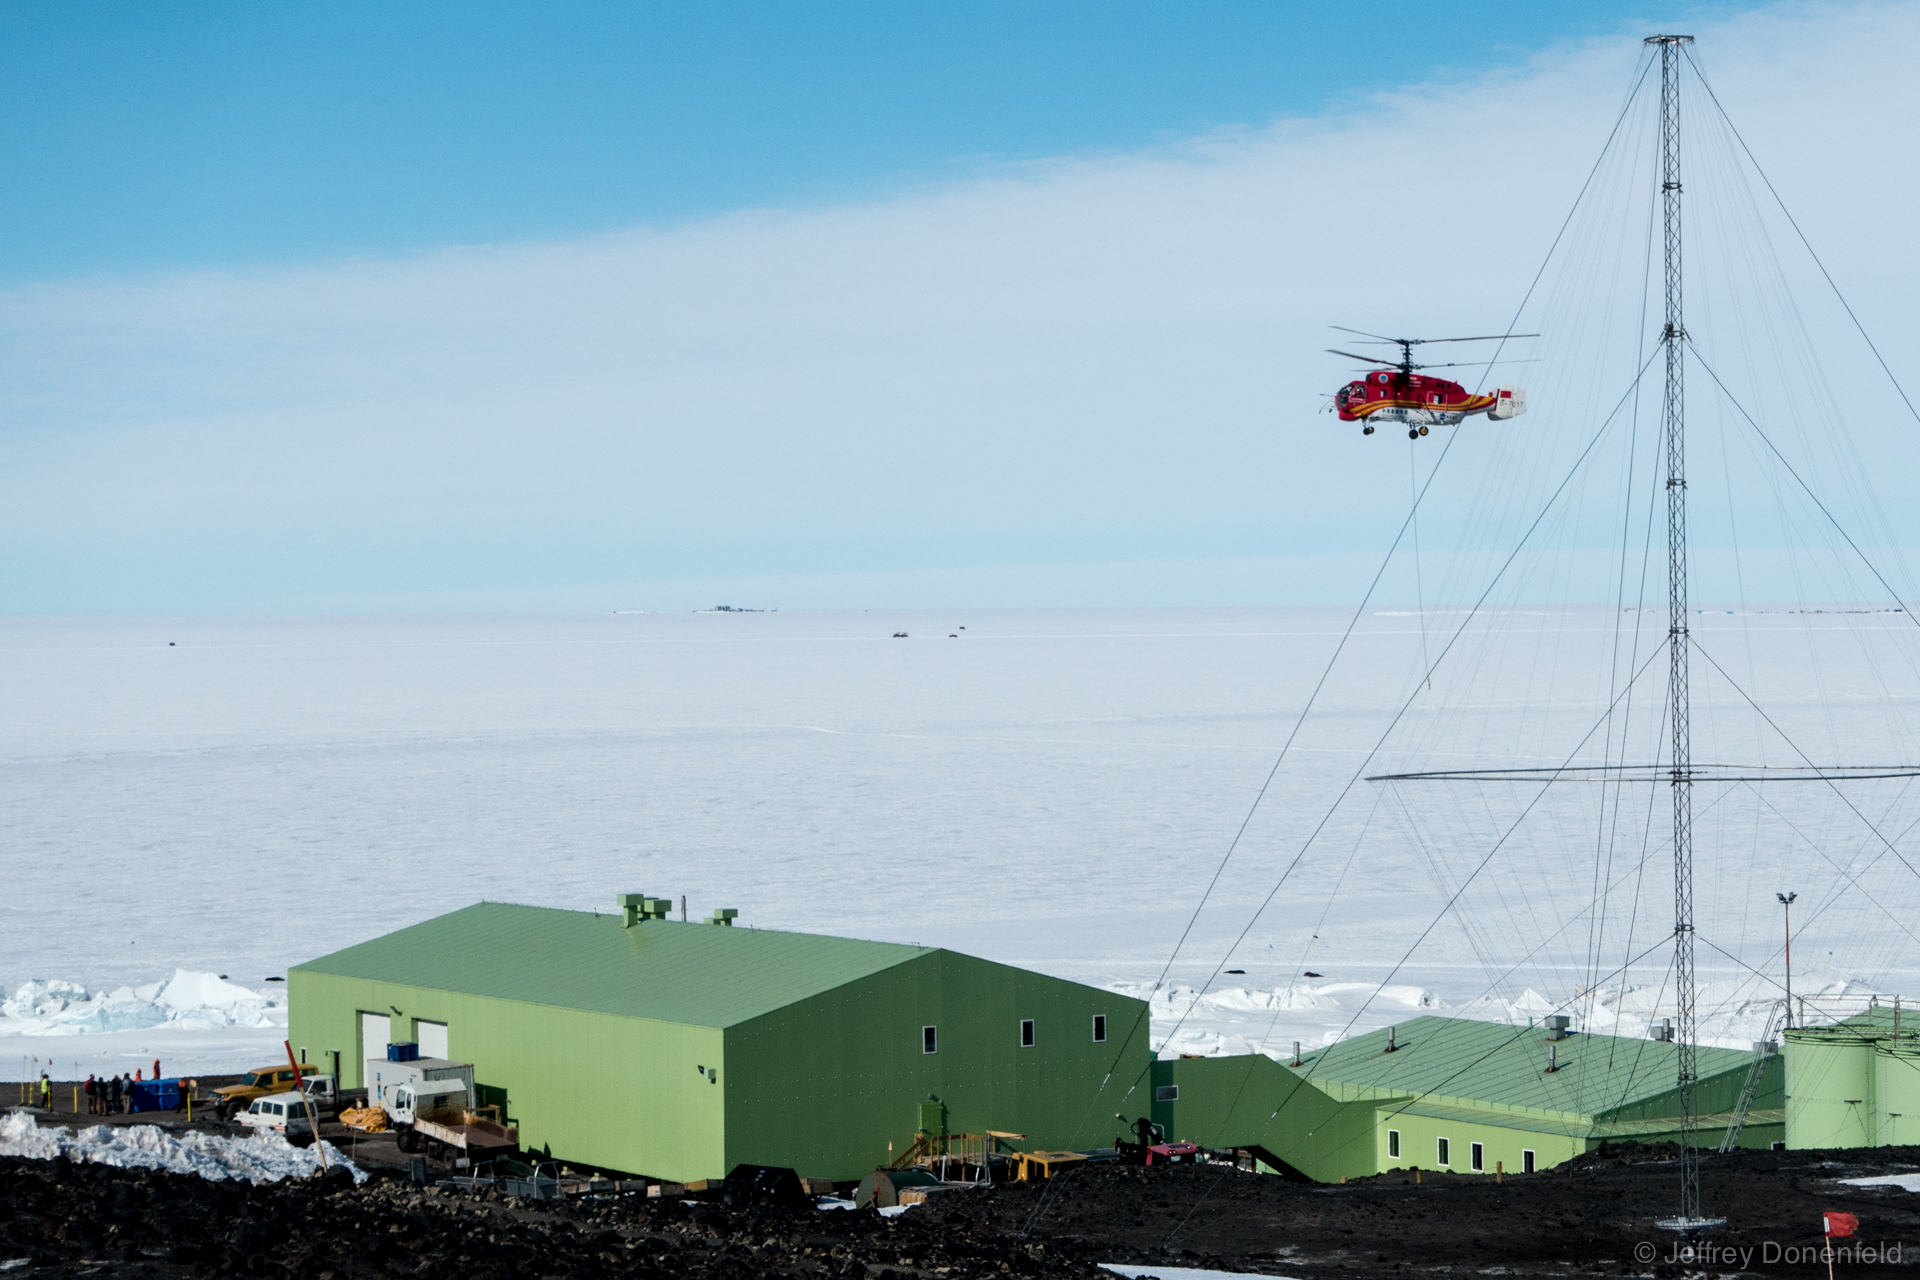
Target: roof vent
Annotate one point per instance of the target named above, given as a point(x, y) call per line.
point(723, 915)
point(1664, 1031)
point(1556, 1025)
point(635, 907)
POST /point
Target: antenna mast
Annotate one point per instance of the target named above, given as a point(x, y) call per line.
point(1680, 766)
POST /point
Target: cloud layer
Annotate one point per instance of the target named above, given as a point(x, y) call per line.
point(1092, 381)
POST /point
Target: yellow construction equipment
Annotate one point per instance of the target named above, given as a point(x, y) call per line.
point(1033, 1166)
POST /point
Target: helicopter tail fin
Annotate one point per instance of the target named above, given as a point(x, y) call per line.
point(1508, 402)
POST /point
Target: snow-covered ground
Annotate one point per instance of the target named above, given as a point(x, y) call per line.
point(1052, 789)
point(265, 1158)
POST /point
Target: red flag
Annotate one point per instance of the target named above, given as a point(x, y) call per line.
point(1841, 1224)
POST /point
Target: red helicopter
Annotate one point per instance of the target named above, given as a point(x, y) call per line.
point(1395, 393)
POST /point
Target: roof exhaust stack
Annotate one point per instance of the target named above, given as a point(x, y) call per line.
point(1391, 1046)
point(1553, 1058)
point(723, 915)
point(635, 907)
point(1556, 1025)
point(1664, 1032)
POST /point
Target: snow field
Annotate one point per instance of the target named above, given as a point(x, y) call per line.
point(1047, 788)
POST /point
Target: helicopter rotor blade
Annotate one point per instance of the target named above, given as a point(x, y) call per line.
point(1382, 364)
point(1472, 364)
point(1363, 333)
point(1485, 337)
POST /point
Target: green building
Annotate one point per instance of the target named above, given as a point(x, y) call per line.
point(678, 1050)
point(1457, 1094)
point(1855, 1083)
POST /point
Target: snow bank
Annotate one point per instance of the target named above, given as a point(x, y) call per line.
point(268, 1158)
point(187, 1001)
point(1905, 1181)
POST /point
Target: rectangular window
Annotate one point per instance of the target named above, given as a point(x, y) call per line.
point(1166, 1093)
point(929, 1039)
point(1442, 1153)
point(1026, 1033)
point(1477, 1155)
point(1393, 1144)
point(1526, 1162)
point(1099, 1028)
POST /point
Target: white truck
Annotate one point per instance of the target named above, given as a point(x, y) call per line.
point(286, 1113)
point(433, 1116)
point(382, 1077)
point(430, 1105)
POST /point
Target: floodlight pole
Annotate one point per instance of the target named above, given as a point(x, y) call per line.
point(1680, 764)
point(1786, 906)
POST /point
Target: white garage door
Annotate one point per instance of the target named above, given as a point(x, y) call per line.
point(433, 1039)
point(376, 1031)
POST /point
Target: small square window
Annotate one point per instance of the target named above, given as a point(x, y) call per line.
point(1099, 1028)
point(1393, 1144)
point(1526, 1162)
point(1026, 1033)
point(1442, 1152)
point(1166, 1093)
point(1477, 1155)
point(929, 1039)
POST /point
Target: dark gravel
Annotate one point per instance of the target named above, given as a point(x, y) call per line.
point(58, 1218)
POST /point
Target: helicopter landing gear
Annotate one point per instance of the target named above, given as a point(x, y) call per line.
point(1423, 431)
point(1413, 433)
point(1366, 431)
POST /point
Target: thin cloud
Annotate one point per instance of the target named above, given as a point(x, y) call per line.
point(1101, 361)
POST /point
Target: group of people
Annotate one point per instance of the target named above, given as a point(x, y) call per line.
point(108, 1096)
point(113, 1094)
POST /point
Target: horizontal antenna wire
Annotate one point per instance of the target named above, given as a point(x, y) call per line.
point(1814, 768)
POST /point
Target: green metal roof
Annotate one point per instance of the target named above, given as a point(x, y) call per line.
point(1492, 1064)
point(693, 973)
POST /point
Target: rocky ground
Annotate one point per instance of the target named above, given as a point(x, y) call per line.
point(1595, 1217)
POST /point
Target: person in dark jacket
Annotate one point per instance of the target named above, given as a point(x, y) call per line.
point(113, 1096)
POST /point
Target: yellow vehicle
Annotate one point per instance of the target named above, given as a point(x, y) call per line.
point(260, 1082)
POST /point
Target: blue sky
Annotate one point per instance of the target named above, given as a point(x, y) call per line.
point(345, 307)
point(139, 135)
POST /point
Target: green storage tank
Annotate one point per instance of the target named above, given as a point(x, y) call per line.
point(1896, 1087)
point(1830, 1088)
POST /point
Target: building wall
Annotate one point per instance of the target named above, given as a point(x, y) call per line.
point(620, 1093)
point(1502, 1146)
point(1249, 1100)
point(824, 1085)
